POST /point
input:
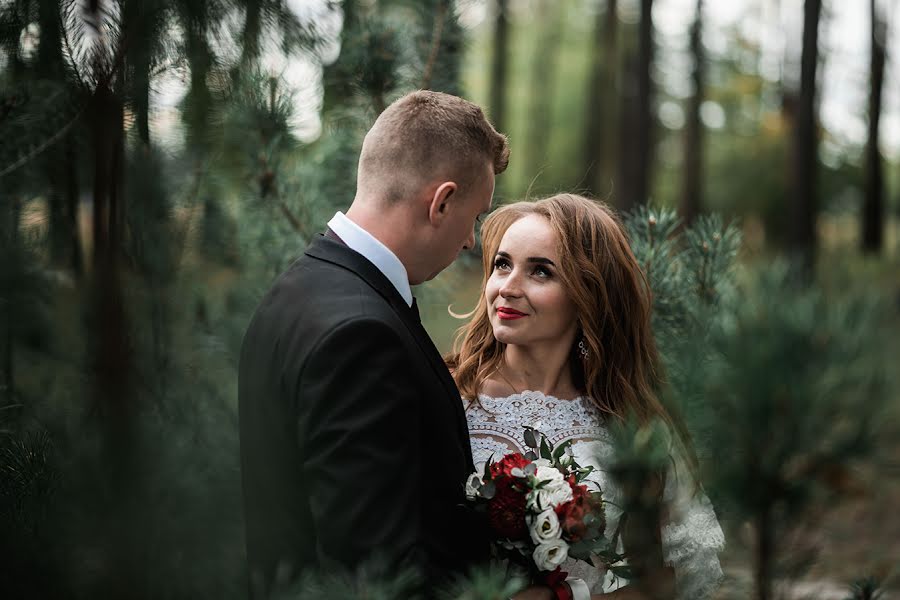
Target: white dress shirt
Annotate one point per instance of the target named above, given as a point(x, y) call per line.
point(375, 252)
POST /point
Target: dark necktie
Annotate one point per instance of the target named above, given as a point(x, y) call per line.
point(415, 311)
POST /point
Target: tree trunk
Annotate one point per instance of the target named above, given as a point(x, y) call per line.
point(873, 204)
point(624, 188)
point(142, 101)
point(599, 111)
point(9, 364)
point(499, 65)
point(337, 89)
point(59, 234)
point(251, 33)
point(49, 53)
point(139, 27)
point(805, 209)
point(49, 68)
point(111, 356)
point(645, 104)
point(60, 160)
point(692, 189)
point(72, 205)
point(540, 107)
point(9, 348)
point(102, 146)
point(442, 42)
point(636, 123)
point(608, 141)
point(763, 558)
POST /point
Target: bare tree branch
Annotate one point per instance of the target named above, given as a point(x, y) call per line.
point(38, 149)
point(436, 35)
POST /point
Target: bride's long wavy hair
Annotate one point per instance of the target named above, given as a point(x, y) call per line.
point(622, 373)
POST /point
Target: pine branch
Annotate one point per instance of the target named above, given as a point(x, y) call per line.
point(292, 219)
point(35, 151)
point(70, 54)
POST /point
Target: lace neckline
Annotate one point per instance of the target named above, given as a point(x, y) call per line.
point(532, 395)
point(506, 417)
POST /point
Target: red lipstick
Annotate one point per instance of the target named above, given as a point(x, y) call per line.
point(509, 313)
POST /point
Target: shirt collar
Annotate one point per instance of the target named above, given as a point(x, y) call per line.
point(358, 239)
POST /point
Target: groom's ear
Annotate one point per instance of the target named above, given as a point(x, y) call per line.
point(438, 208)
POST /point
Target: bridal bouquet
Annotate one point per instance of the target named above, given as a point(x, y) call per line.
point(539, 510)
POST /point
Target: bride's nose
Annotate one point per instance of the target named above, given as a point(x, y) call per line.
point(511, 287)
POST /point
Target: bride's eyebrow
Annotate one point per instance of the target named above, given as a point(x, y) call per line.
point(532, 259)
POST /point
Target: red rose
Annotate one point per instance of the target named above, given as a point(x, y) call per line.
point(572, 513)
point(571, 519)
point(506, 510)
point(508, 463)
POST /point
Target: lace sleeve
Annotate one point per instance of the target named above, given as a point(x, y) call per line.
point(692, 538)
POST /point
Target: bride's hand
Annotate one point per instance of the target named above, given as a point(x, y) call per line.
point(662, 588)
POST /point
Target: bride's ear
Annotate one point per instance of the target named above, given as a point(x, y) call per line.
point(439, 205)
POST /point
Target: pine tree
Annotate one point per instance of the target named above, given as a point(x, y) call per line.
point(781, 382)
point(794, 391)
point(142, 443)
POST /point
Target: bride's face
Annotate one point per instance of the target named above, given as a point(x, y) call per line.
point(526, 300)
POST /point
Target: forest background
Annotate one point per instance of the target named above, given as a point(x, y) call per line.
point(162, 162)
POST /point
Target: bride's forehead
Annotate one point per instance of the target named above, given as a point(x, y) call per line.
point(530, 234)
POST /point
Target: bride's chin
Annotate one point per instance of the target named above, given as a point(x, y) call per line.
point(504, 337)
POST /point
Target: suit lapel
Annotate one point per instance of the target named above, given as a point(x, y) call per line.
point(332, 250)
point(437, 362)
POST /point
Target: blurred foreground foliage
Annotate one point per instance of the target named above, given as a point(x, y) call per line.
point(119, 469)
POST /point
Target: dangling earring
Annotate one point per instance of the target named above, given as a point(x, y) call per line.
point(582, 349)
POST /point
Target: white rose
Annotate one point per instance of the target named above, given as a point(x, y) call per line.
point(547, 473)
point(555, 492)
point(544, 527)
point(471, 490)
point(550, 555)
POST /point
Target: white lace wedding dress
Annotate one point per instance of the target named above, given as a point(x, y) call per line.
point(692, 537)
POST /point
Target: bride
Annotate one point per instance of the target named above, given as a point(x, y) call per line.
point(561, 341)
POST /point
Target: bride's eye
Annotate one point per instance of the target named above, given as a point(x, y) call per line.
point(501, 263)
point(543, 272)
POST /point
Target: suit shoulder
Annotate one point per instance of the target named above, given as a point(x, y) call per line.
point(316, 289)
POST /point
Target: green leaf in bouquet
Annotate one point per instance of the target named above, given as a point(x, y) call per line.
point(582, 473)
point(546, 449)
point(530, 439)
point(530, 469)
point(487, 469)
point(623, 571)
point(600, 546)
point(597, 560)
point(530, 455)
point(580, 549)
point(560, 450)
point(488, 490)
point(608, 555)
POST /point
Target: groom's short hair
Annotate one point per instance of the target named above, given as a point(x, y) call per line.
point(427, 135)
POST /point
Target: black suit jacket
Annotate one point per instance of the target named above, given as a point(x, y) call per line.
point(354, 444)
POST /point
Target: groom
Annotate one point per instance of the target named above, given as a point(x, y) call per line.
point(354, 444)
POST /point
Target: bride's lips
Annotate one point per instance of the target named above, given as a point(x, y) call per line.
point(509, 314)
